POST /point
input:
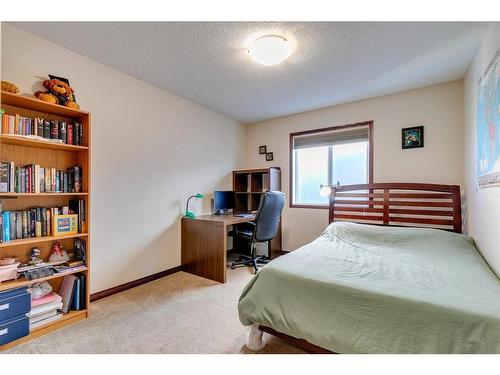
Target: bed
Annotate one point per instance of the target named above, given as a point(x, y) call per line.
point(382, 278)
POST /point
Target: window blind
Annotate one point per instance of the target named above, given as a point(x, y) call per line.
point(328, 138)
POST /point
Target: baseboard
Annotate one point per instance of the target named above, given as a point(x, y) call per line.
point(132, 284)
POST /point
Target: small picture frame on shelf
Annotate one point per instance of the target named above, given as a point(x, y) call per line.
point(269, 156)
point(262, 150)
point(412, 137)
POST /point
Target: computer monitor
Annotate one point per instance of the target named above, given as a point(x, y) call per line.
point(223, 201)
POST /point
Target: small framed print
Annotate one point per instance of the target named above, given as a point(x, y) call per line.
point(269, 156)
point(262, 150)
point(64, 224)
point(412, 137)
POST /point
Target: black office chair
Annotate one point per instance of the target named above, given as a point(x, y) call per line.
point(263, 229)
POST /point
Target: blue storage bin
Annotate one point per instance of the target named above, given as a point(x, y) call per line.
point(14, 328)
point(14, 302)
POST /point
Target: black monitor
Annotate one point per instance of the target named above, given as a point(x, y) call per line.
point(223, 201)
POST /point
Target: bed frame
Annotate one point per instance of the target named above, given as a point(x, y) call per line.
point(398, 204)
point(389, 204)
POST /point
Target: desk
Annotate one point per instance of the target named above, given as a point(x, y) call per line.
point(204, 244)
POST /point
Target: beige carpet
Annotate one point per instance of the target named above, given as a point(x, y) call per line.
point(180, 313)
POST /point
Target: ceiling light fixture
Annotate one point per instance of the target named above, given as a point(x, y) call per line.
point(270, 50)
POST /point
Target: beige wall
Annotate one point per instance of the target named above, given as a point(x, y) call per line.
point(438, 108)
point(483, 205)
point(151, 150)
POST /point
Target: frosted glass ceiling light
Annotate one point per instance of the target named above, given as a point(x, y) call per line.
point(270, 50)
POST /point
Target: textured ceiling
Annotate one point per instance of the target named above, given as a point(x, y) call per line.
point(333, 62)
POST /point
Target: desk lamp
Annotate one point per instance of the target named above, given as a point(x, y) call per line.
point(188, 213)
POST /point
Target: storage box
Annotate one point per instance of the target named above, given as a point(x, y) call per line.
point(14, 328)
point(14, 324)
point(14, 302)
point(8, 272)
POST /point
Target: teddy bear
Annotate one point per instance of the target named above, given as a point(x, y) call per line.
point(58, 92)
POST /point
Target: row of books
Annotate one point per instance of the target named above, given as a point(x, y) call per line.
point(37, 221)
point(73, 293)
point(35, 179)
point(70, 133)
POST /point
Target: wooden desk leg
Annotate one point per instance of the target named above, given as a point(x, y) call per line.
point(204, 248)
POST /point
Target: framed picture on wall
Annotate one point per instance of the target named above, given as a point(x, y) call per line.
point(262, 150)
point(269, 156)
point(412, 137)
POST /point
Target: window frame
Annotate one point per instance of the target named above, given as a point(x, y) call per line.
point(291, 167)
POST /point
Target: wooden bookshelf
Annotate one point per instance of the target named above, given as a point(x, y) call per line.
point(249, 185)
point(22, 151)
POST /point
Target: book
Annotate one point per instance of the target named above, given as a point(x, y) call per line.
point(12, 176)
point(4, 177)
point(54, 129)
point(76, 136)
point(66, 292)
point(19, 224)
point(43, 316)
point(69, 133)
point(46, 129)
point(45, 307)
point(75, 263)
point(62, 131)
point(77, 178)
point(76, 301)
point(71, 180)
point(39, 126)
point(46, 321)
point(6, 225)
point(51, 297)
point(83, 294)
point(77, 206)
point(12, 225)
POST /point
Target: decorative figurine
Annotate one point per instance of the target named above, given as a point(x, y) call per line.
point(34, 255)
point(79, 251)
point(58, 254)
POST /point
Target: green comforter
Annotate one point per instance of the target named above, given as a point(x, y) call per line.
point(369, 289)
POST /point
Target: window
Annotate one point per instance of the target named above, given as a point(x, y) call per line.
point(327, 156)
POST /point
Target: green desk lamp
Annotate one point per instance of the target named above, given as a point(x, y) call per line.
point(188, 213)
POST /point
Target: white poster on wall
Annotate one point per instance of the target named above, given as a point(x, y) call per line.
point(488, 124)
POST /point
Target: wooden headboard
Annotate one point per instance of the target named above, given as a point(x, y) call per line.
point(398, 204)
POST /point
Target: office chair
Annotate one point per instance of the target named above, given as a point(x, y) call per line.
point(263, 229)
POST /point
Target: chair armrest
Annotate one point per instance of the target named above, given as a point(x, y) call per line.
point(237, 232)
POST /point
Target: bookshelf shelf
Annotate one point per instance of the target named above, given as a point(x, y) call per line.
point(71, 315)
point(23, 151)
point(16, 195)
point(21, 281)
point(34, 240)
point(30, 142)
point(34, 104)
